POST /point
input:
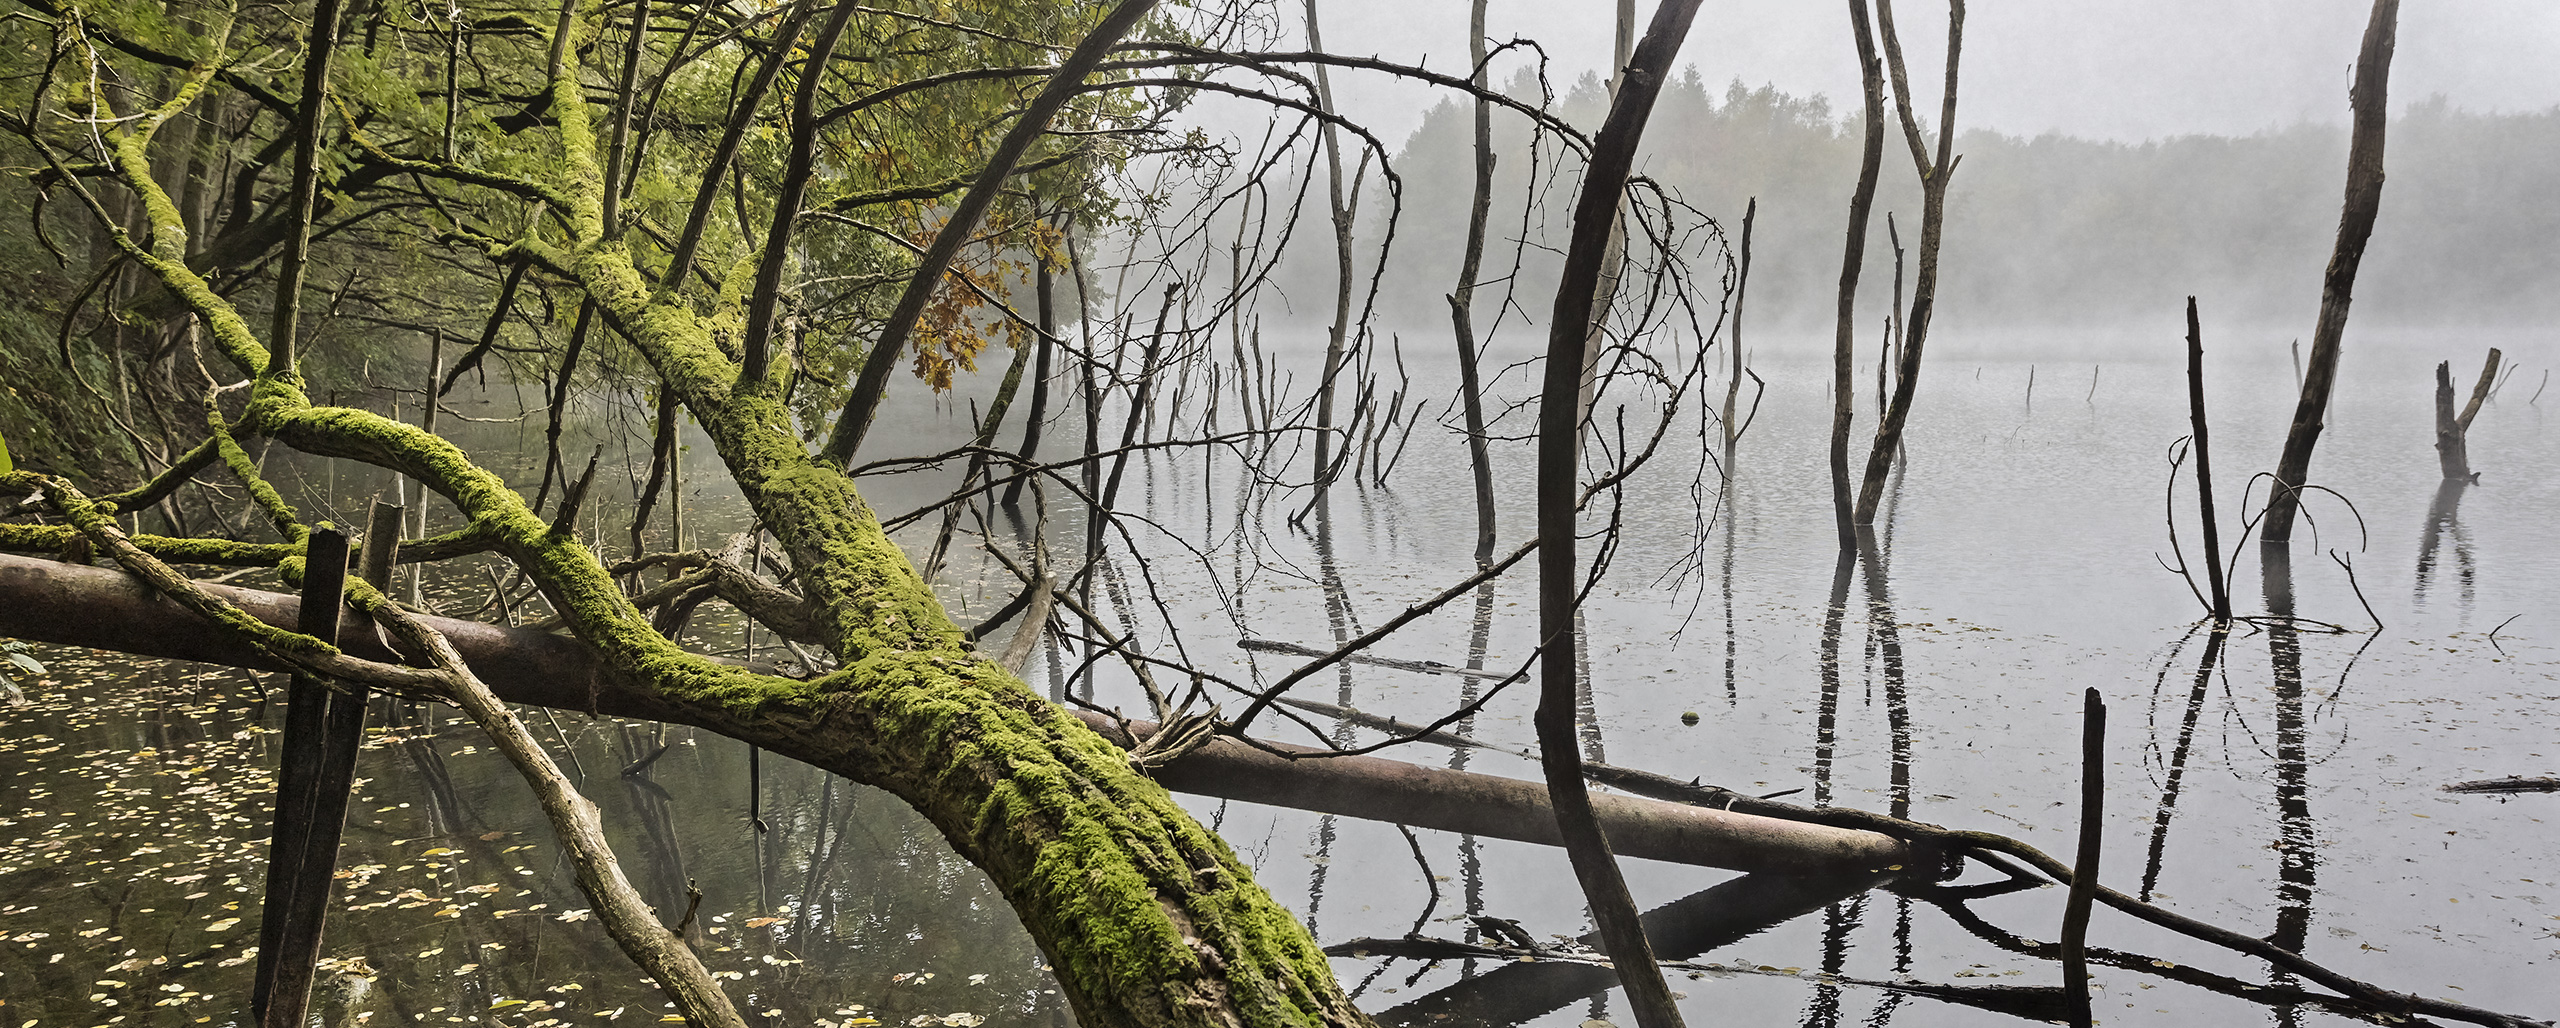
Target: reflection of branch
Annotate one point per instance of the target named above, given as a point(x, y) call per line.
point(2270, 995)
point(574, 818)
point(1390, 626)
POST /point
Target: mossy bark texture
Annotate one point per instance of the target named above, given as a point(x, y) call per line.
point(1147, 917)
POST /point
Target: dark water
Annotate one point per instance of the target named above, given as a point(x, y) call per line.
point(2305, 767)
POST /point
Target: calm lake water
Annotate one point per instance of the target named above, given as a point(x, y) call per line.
point(2022, 556)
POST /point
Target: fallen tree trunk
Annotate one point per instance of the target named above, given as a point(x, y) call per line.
point(50, 601)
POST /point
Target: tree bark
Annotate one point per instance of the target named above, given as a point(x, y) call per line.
point(2371, 99)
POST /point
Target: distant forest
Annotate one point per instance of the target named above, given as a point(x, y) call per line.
point(2042, 232)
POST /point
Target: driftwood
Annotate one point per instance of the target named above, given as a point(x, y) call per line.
point(2509, 784)
point(48, 601)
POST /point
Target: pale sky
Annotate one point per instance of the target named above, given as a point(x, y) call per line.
point(2114, 69)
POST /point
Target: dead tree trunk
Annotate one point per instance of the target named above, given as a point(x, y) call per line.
point(1934, 174)
point(2371, 99)
point(322, 730)
point(2453, 447)
point(1339, 204)
point(1733, 342)
point(1853, 259)
point(2204, 470)
point(1559, 487)
point(1462, 302)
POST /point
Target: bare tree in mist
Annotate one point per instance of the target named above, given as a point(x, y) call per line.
point(2371, 99)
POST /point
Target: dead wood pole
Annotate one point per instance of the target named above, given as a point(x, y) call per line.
point(1045, 288)
point(1147, 374)
point(1462, 302)
point(983, 443)
point(309, 110)
point(313, 780)
point(2204, 469)
point(797, 169)
point(2453, 447)
point(1934, 174)
point(1853, 258)
point(1339, 205)
point(2084, 876)
point(1733, 341)
point(2370, 97)
point(864, 402)
point(427, 421)
point(1893, 320)
point(1559, 487)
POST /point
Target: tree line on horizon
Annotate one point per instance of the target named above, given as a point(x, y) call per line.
point(2043, 231)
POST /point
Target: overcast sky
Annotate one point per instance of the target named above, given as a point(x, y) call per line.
point(2114, 69)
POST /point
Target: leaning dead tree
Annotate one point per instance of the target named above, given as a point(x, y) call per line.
point(2371, 97)
point(1561, 579)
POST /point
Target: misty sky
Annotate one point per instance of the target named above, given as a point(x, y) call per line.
point(2112, 69)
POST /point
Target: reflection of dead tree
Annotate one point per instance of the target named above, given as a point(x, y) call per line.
point(2444, 521)
point(2453, 448)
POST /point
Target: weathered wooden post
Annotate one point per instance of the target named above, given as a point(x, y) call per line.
point(2084, 871)
point(322, 727)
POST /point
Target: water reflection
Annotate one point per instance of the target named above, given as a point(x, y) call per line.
point(1721, 915)
point(2297, 842)
point(2445, 524)
point(2175, 766)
